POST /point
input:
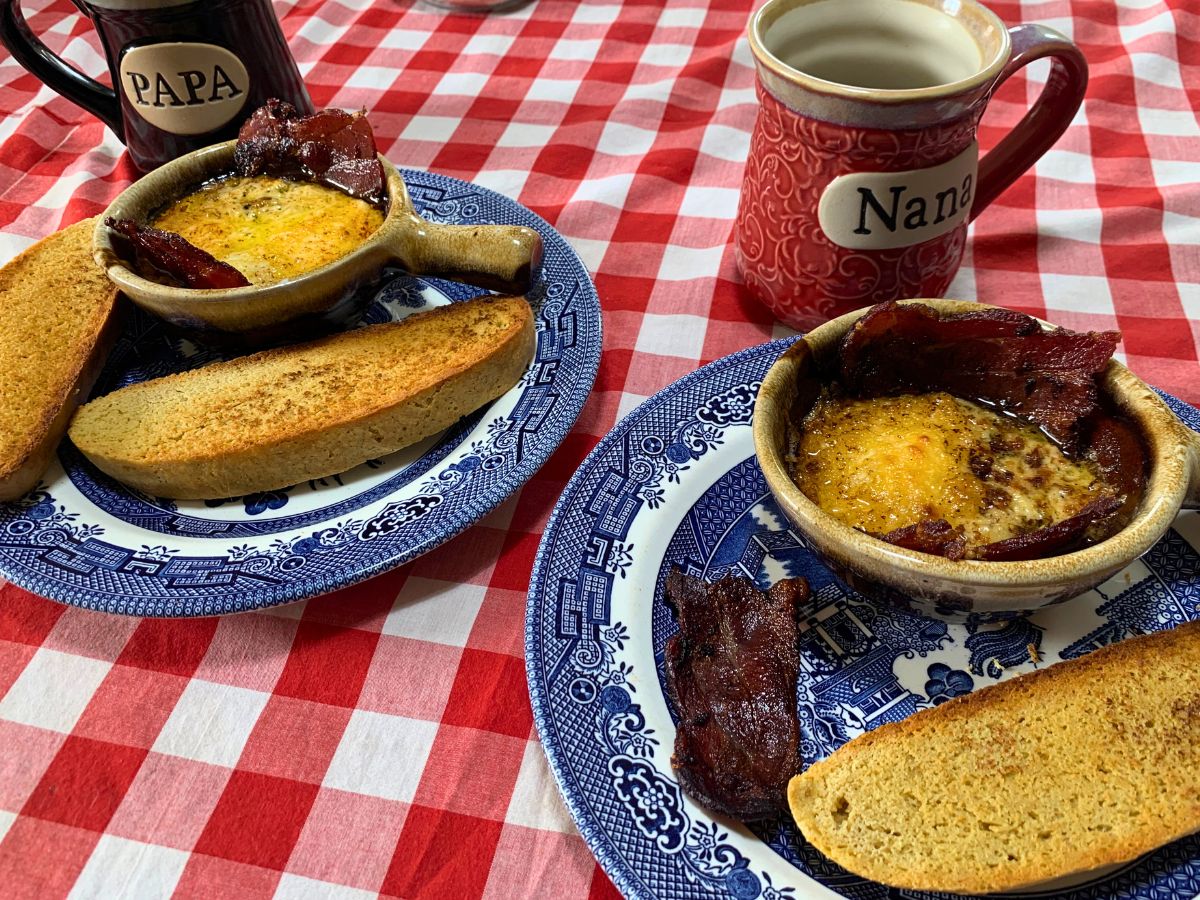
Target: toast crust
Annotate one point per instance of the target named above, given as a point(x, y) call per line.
point(57, 323)
point(293, 414)
point(1084, 764)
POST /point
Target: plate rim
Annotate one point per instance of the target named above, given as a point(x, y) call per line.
point(623, 875)
point(472, 510)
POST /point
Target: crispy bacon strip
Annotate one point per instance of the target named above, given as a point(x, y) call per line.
point(1061, 537)
point(935, 536)
point(731, 674)
point(1121, 456)
point(330, 146)
point(939, 538)
point(175, 256)
point(995, 356)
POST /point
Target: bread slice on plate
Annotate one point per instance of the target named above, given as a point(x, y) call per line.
point(57, 323)
point(1069, 769)
point(288, 415)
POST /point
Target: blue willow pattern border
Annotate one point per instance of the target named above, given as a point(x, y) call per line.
point(593, 730)
point(851, 649)
point(49, 549)
point(147, 350)
point(585, 698)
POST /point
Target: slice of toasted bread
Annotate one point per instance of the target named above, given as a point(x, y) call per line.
point(311, 410)
point(1081, 765)
point(56, 326)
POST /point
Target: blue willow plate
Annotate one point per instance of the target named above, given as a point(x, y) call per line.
point(676, 484)
point(84, 539)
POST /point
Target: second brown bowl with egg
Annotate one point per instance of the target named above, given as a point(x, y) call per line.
point(497, 257)
point(888, 572)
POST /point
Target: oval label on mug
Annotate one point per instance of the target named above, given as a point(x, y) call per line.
point(884, 210)
point(184, 88)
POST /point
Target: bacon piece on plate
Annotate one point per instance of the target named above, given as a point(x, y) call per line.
point(731, 674)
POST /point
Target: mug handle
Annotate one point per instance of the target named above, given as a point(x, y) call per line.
point(36, 57)
point(1046, 121)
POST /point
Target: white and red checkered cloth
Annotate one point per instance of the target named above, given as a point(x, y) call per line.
point(380, 740)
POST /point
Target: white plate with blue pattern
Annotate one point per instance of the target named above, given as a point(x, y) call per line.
point(84, 539)
point(676, 484)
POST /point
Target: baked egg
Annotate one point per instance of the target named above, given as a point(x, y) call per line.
point(885, 463)
point(268, 228)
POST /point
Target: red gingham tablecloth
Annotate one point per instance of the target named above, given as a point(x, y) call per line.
point(380, 739)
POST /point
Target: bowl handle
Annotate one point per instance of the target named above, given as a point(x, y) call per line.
point(503, 258)
point(1191, 498)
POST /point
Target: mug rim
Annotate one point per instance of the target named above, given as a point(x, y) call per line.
point(774, 9)
point(133, 5)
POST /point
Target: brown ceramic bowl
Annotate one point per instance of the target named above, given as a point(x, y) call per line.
point(885, 571)
point(496, 257)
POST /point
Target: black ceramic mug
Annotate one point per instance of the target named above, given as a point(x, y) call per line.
point(186, 73)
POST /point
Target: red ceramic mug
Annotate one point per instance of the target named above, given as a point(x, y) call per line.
point(863, 169)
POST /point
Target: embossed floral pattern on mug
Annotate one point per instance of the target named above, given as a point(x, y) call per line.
point(863, 172)
point(782, 250)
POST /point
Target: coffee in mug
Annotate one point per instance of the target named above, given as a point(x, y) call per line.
point(864, 169)
point(186, 73)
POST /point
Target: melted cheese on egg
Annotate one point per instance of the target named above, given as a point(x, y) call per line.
point(888, 462)
point(270, 228)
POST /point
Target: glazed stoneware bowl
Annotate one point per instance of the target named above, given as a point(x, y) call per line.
point(883, 571)
point(497, 257)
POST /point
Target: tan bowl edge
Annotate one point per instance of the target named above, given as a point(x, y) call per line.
point(1173, 456)
point(241, 307)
